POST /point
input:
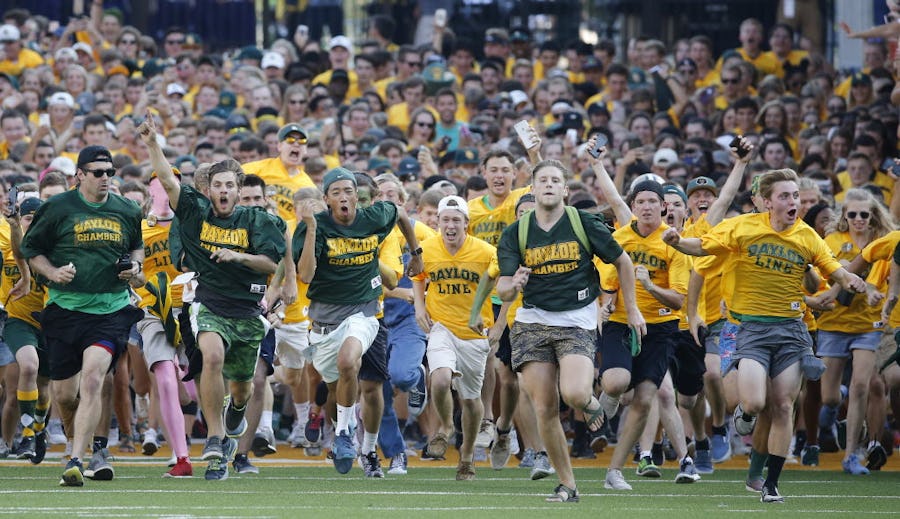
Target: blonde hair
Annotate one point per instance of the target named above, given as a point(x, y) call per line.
point(768, 179)
point(880, 222)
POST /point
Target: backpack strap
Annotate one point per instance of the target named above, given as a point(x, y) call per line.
point(524, 221)
point(578, 227)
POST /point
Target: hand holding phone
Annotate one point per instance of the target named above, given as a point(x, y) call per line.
point(12, 207)
point(526, 135)
point(600, 141)
point(440, 18)
point(738, 145)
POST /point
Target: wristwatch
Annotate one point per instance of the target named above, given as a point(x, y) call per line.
point(416, 252)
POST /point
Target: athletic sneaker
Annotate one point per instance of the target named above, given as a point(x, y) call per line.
point(703, 461)
point(181, 469)
point(437, 447)
point(563, 494)
point(73, 476)
point(842, 434)
point(810, 456)
point(770, 495)
point(527, 460)
point(150, 443)
point(542, 467)
point(465, 471)
point(581, 448)
point(297, 438)
point(242, 465)
point(657, 454)
point(876, 456)
point(852, 465)
point(216, 470)
point(344, 453)
point(399, 465)
point(485, 434)
point(600, 437)
point(741, 426)
point(99, 468)
point(647, 469)
point(615, 480)
point(417, 398)
point(500, 451)
point(687, 473)
point(40, 447)
point(4, 450)
point(213, 449)
point(313, 429)
point(238, 430)
point(371, 465)
point(263, 442)
point(25, 450)
point(55, 432)
point(754, 485)
point(720, 448)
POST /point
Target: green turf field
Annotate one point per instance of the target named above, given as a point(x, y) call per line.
point(139, 491)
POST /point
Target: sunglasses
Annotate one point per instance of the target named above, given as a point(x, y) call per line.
point(416, 64)
point(98, 173)
point(297, 101)
point(730, 81)
point(128, 42)
point(295, 140)
point(349, 152)
point(174, 42)
point(851, 215)
point(687, 71)
point(424, 125)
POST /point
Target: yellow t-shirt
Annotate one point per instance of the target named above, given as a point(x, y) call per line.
point(882, 180)
point(710, 295)
point(766, 63)
point(882, 249)
point(423, 232)
point(487, 222)
point(27, 59)
point(770, 265)
point(23, 308)
point(352, 93)
point(453, 281)
point(157, 258)
point(275, 174)
point(859, 317)
point(667, 267)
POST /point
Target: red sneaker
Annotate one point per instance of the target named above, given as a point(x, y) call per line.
point(182, 469)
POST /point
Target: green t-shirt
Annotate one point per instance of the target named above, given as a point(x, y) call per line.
point(92, 237)
point(563, 276)
point(227, 289)
point(347, 256)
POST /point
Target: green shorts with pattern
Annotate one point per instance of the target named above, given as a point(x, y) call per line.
point(241, 337)
point(534, 342)
point(18, 334)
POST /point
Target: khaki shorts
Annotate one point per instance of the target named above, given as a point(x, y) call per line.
point(466, 358)
point(327, 345)
point(292, 345)
point(241, 337)
point(155, 345)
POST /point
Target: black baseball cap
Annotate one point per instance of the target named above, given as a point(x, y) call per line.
point(93, 154)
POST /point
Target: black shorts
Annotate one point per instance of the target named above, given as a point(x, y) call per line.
point(374, 365)
point(653, 360)
point(68, 333)
point(688, 364)
point(267, 351)
point(504, 349)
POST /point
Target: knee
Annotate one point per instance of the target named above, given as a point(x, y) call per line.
point(213, 357)
point(575, 397)
point(402, 377)
point(440, 380)
point(687, 402)
point(615, 381)
point(666, 396)
point(28, 369)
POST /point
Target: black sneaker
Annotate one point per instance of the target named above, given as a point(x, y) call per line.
point(216, 470)
point(99, 468)
point(770, 495)
point(242, 465)
point(582, 449)
point(876, 457)
point(371, 465)
point(40, 447)
point(657, 454)
point(26, 448)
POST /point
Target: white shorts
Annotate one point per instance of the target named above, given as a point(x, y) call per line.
point(466, 358)
point(326, 346)
point(156, 346)
point(292, 345)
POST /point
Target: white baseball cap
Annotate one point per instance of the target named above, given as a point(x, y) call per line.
point(9, 33)
point(665, 156)
point(453, 202)
point(517, 97)
point(272, 59)
point(340, 41)
point(175, 89)
point(61, 98)
point(64, 165)
point(83, 47)
point(64, 52)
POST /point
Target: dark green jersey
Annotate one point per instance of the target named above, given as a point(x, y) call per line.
point(347, 256)
point(247, 230)
point(68, 229)
point(562, 271)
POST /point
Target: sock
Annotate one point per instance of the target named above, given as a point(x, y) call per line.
point(100, 442)
point(369, 441)
point(776, 463)
point(40, 415)
point(501, 432)
point(302, 412)
point(170, 407)
point(719, 430)
point(142, 407)
point(27, 404)
point(265, 420)
point(702, 445)
point(233, 415)
point(757, 463)
point(580, 431)
point(747, 417)
point(344, 418)
point(645, 454)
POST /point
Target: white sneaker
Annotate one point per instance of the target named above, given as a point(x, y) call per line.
point(513, 442)
point(297, 438)
point(150, 443)
point(55, 432)
point(485, 434)
point(615, 480)
point(398, 464)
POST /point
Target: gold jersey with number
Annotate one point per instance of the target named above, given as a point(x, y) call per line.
point(157, 258)
point(859, 317)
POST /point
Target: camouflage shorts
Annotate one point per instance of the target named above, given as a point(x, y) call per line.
point(241, 337)
point(541, 343)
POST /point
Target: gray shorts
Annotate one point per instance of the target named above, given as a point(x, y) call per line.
point(714, 336)
point(155, 346)
point(533, 342)
point(841, 345)
point(777, 346)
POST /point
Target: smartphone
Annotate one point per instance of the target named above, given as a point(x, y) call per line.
point(44, 120)
point(707, 95)
point(303, 31)
point(13, 202)
point(440, 17)
point(523, 130)
point(599, 142)
point(124, 263)
point(736, 143)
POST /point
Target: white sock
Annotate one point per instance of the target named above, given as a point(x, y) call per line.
point(302, 412)
point(646, 454)
point(265, 420)
point(369, 441)
point(344, 419)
